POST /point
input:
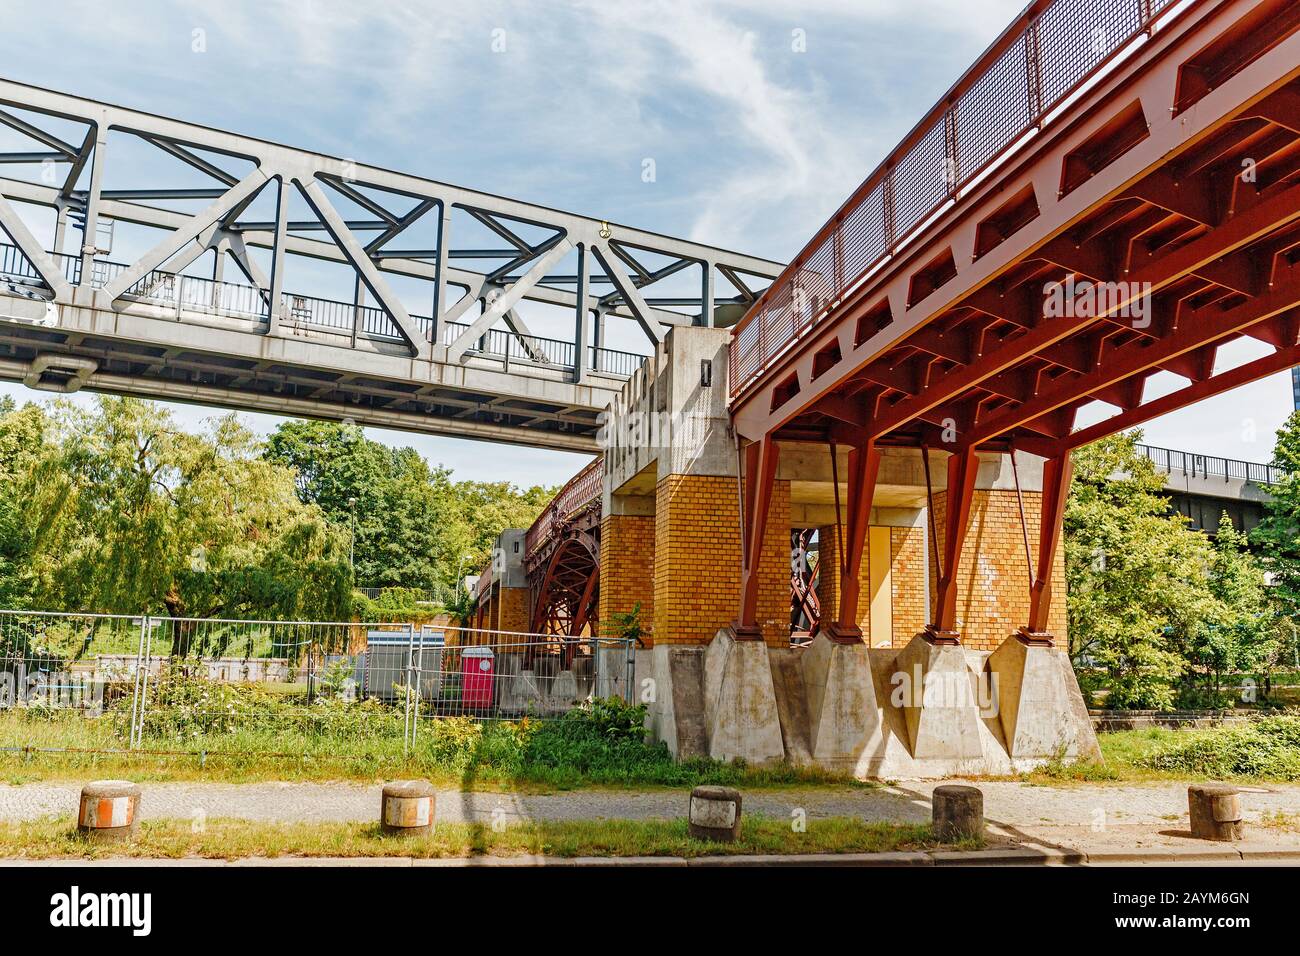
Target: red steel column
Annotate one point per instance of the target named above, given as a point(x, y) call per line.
point(1057, 473)
point(963, 466)
point(864, 468)
point(760, 474)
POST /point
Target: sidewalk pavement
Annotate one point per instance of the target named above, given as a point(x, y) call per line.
point(1242, 854)
point(1091, 820)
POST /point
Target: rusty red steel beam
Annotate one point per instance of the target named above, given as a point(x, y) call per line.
point(1057, 472)
point(1244, 374)
point(963, 467)
point(760, 475)
point(1195, 330)
point(864, 469)
point(1149, 78)
point(1237, 233)
point(578, 492)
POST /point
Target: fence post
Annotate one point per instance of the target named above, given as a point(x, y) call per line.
point(410, 666)
point(419, 683)
point(135, 685)
point(141, 682)
point(629, 672)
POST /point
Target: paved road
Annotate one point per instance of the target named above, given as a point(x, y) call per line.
point(1146, 815)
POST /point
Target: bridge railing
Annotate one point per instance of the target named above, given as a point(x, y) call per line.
point(1209, 466)
point(580, 491)
point(1043, 58)
point(197, 294)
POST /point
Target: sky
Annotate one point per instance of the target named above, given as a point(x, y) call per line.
point(760, 118)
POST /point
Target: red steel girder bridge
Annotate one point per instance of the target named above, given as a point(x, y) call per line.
point(1112, 191)
point(561, 561)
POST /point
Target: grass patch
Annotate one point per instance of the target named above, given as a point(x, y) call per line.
point(1265, 750)
point(235, 839)
point(1279, 820)
point(566, 754)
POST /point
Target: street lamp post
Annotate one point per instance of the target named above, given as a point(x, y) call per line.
point(352, 538)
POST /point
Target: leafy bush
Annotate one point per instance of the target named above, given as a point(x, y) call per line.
point(1268, 747)
point(1195, 697)
point(612, 717)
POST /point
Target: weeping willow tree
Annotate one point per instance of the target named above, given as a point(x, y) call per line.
point(123, 511)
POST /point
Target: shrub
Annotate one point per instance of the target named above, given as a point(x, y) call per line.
point(612, 717)
point(1268, 747)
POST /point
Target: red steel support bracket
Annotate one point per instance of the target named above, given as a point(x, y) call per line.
point(864, 468)
point(963, 466)
point(760, 474)
point(1057, 472)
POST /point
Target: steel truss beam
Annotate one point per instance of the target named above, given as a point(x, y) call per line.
point(378, 193)
point(1150, 77)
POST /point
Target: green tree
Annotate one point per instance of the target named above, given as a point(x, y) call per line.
point(132, 513)
point(1277, 536)
point(1237, 633)
point(1137, 576)
point(415, 527)
point(22, 442)
point(400, 507)
point(485, 509)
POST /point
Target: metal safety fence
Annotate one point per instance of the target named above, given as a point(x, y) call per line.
point(107, 682)
point(1014, 90)
point(1210, 466)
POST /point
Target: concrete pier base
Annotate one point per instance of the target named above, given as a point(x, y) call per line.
point(844, 719)
point(676, 711)
point(740, 710)
point(1040, 708)
point(853, 708)
point(936, 690)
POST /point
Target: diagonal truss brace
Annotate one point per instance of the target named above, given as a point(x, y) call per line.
point(508, 299)
point(187, 234)
point(41, 260)
point(364, 265)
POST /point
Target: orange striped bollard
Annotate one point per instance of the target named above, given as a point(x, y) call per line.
point(408, 808)
point(109, 811)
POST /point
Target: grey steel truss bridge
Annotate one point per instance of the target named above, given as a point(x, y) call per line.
point(430, 335)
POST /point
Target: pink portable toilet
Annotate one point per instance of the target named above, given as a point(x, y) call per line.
point(477, 665)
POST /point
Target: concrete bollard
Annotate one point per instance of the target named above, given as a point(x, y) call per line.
point(957, 813)
point(109, 811)
point(715, 814)
point(408, 808)
point(1215, 809)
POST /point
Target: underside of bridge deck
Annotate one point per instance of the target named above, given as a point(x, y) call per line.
point(1139, 219)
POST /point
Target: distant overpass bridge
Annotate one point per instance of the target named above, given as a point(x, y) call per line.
point(463, 362)
point(1202, 487)
point(554, 566)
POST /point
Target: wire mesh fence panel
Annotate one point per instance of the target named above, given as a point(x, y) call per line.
point(279, 688)
point(59, 666)
point(507, 675)
point(256, 686)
